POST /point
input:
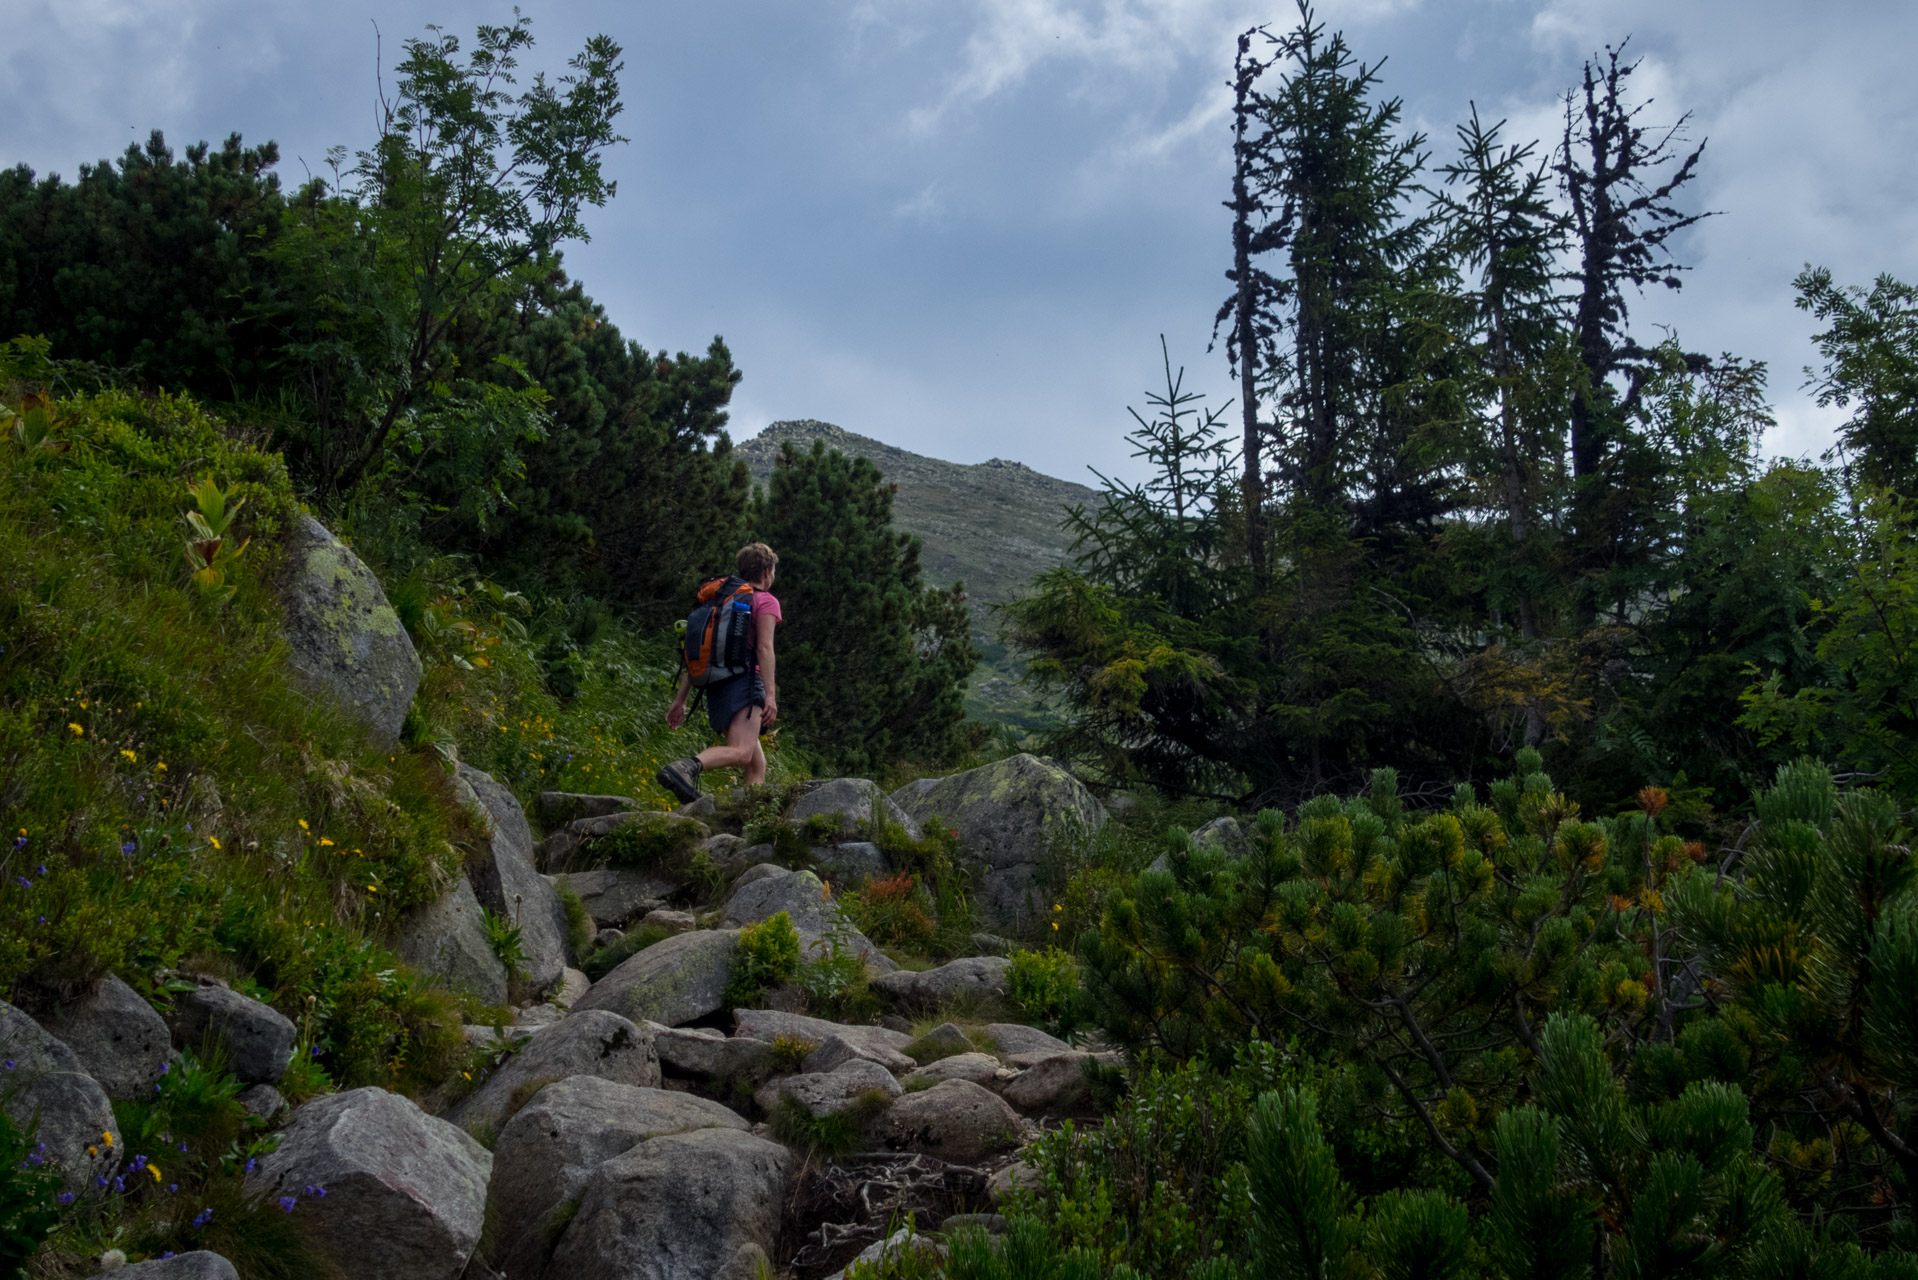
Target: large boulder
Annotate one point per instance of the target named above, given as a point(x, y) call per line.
point(674, 981)
point(687, 1206)
point(848, 1085)
point(595, 1043)
point(615, 896)
point(853, 862)
point(198, 1265)
point(506, 882)
point(256, 1039)
point(1054, 1085)
point(836, 1050)
point(405, 1192)
point(855, 802)
point(814, 915)
point(447, 939)
point(1224, 834)
point(1010, 815)
point(547, 1152)
point(120, 1039)
point(43, 1085)
point(970, 981)
point(954, 1120)
point(345, 643)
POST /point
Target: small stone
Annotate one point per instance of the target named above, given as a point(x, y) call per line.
point(846, 1086)
point(607, 937)
point(703, 1053)
point(670, 921)
point(1016, 1037)
point(770, 1025)
point(954, 1120)
point(119, 1038)
point(805, 900)
point(704, 807)
point(262, 1101)
point(573, 984)
point(1053, 1085)
point(972, 980)
point(674, 981)
point(1017, 1176)
point(536, 1016)
point(256, 1039)
point(855, 802)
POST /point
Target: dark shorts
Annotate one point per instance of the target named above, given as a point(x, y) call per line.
point(728, 699)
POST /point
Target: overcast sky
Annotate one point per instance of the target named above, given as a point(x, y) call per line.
point(961, 225)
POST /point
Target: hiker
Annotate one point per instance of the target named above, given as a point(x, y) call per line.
point(738, 706)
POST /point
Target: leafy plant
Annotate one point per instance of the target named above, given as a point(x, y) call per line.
point(504, 937)
point(29, 1191)
point(767, 954)
point(834, 979)
point(208, 549)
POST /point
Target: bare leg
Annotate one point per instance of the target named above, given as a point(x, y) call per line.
point(742, 748)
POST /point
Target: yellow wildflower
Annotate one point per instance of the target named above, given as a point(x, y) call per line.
point(303, 825)
point(77, 729)
point(154, 1169)
point(106, 1137)
point(160, 766)
point(324, 842)
point(130, 755)
point(214, 841)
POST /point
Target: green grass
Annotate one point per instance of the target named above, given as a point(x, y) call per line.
point(828, 1135)
point(171, 795)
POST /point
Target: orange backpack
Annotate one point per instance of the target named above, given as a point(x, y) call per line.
point(718, 632)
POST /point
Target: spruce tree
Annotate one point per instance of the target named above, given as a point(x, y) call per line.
point(872, 661)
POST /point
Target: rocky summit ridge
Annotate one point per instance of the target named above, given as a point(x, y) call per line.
point(991, 525)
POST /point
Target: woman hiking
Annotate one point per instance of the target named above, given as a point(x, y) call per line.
point(741, 706)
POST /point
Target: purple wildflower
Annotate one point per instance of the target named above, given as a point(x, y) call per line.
point(66, 1197)
point(201, 1218)
point(20, 842)
point(166, 1068)
point(40, 870)
point(128, 847)
point(120, 1184)
point(11, 1064)
point(166, 1255)
point(287, 1203)
point(23, 882)
point(249, 1164)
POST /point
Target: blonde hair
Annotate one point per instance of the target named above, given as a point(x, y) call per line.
point(755, 561)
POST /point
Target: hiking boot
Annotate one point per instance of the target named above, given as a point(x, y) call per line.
point(681, 777)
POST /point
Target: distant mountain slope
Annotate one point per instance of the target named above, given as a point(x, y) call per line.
point(991, 525)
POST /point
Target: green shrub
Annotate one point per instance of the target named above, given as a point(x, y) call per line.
point(647, 842)
point(579, 923)
point(503, 936)
point(767, 955)
point(827, 1135)
point(790, 1053)
point(1045, 986)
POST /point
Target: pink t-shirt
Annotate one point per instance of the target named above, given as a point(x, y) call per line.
point(767, 604)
